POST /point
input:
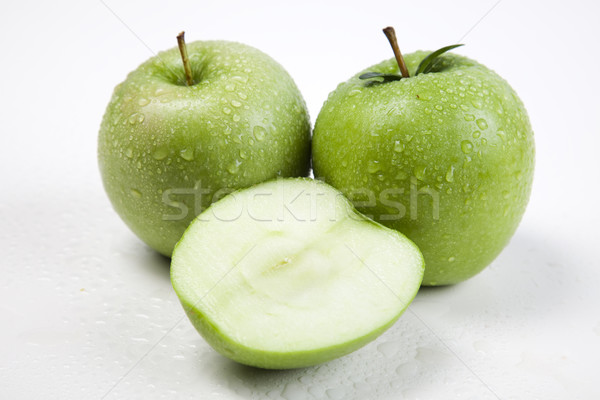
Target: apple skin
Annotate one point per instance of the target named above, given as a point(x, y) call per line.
point(167, 150)
point(459, 134)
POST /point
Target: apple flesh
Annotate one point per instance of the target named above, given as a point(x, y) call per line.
point(167, 150)
point(288, 274)
point(445, 157)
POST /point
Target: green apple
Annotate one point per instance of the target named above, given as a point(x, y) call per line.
point(445, 157)
point(288, 274)
point(167, 149)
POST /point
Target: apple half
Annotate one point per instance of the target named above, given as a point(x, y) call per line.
point(288, 274)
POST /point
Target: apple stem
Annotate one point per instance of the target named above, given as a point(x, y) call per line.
point(185, 59)
point(391, 36)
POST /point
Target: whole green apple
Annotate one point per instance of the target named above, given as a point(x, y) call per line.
point(287, 274)
point(167, 148)
point(445, 157)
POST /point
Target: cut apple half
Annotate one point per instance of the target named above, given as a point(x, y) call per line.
point(288, 274)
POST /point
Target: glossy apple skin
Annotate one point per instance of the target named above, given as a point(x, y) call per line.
point(447, 158)
point(166, 150)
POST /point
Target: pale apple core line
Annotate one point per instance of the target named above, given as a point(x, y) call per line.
point(179, 199)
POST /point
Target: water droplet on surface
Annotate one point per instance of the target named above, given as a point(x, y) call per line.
point(187, 154)
point(476, 103)
point(450, 174)
point(236, 103)
point(373, 167)
point(143, 102)
point(236, 117)
point(234, 167)
point(476, 134)
point(469, 117)
point(419, 172)
point(451, 259)
point(129, 152)
point(439, 107)
point(240, 78)
point(160, 153)
point(398, 146)
point(482, 124)
point(242, 95)
point(501, 135)
point(243, 154)
point(227, 110)
point(259, 133)
point(466, 146)
point(354, 92)
point(136, 118)
point(230, 87)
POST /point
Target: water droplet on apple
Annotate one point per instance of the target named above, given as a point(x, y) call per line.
point(476, 134)
point(401, 175)
point(482, 124)
point(160, 153)
point(243, 154)
point(398, 146)
point(450, 174)
point(187, 154)
point(227, 110)
point(476, 103)
point(236, 117)
point(464, 108)
point(234, 167)
point(501, 135)
point(235, 103)
point(129, 152)
point(230, 87)
point(240, 78)
point(419, 172)
point(133, 118)
point(259, 133)
point(136, 193)
point(242, 95)
point(427, 110)
point(469, 117)
point(353, 92)
point(466, 146)
point(439, 107)
point(143, 102)
point(451, 259)
point(373, 166)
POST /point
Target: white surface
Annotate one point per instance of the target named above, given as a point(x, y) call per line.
point(86, 310)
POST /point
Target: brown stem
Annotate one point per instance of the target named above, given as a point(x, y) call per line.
point(391, 35)
point(185, 59)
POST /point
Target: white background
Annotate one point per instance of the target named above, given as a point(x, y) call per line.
point(86, 310)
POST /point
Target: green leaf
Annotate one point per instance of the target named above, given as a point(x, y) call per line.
point(386, 77)
point(427, 64)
